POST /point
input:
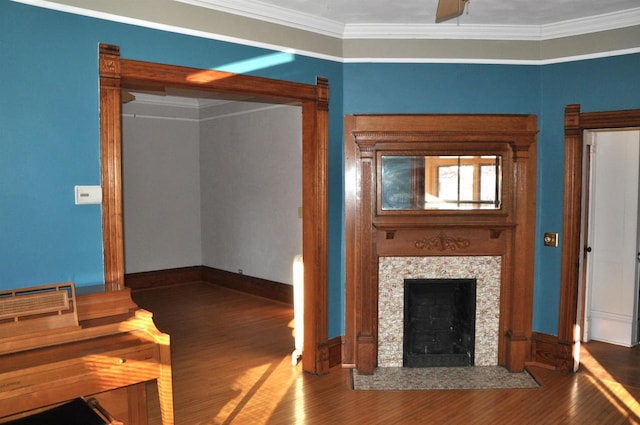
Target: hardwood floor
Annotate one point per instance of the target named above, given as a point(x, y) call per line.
point(611, 362)
point(231, 365)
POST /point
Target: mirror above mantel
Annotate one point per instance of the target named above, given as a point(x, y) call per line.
point(440, 182)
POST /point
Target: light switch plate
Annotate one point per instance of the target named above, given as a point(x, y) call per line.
point(88, 195)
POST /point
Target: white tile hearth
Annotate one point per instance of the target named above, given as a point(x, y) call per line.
point(442, 378)
point(392, 271)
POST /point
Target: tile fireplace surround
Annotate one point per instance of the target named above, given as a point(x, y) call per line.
point(392, 271)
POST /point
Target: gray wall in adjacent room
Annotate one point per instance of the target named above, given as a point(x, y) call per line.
point(251, 189)
point(161, 188)
point(218, 186)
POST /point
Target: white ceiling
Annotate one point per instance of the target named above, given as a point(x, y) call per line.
point(363, 12)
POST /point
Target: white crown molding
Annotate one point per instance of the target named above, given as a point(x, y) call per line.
point(266, 12)
point(275, 15)
point(450, 31)
point(622, 19)
point(475, 61)
point(605, 22)
point(159, 117)
point(441, 32)
point(453, 31)
point(159, 100)
point(197, 105)
point(175, 101)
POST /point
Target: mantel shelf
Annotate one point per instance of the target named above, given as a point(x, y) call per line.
point(390, 226)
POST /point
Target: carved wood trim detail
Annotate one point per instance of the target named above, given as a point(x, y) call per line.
point(111, 154)
point(442, 242)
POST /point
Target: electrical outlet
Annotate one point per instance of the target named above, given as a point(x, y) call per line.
point(239, 271)
point(551, 239)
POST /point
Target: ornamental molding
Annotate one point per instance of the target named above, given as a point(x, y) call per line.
point(442, 242)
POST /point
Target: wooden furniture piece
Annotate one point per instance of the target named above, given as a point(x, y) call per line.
point(373, 232)
point(75, 412)
point(110, 352)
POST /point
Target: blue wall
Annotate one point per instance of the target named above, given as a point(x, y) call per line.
point(50, 137)
point(441, 88)
point(49, 132)
point(597, 84)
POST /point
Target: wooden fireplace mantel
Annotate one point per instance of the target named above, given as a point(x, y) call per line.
point(508, 232)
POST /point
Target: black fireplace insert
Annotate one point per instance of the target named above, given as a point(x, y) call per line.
point(439, 322)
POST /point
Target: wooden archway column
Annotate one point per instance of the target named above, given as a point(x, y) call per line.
point(117, 74)
point(575, 123)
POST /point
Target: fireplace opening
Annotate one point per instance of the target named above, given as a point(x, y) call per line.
point(439, 322)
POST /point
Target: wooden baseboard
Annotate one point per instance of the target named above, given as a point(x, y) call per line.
point(335, 352)
point(548, 351)
point(249, 284)
point(159, 278)
point(240, 282)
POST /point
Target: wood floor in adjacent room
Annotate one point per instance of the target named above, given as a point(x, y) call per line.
point(232, 365)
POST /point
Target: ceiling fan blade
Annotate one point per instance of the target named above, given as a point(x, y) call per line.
point(449, 9)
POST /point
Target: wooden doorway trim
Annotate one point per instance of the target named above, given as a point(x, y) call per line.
point(575, 123)
point(117, 74)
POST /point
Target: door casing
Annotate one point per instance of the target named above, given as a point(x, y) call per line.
point(117, 74)
point(593, 163)
point(575, 123)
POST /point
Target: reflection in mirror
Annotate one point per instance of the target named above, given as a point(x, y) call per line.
point(441, 182)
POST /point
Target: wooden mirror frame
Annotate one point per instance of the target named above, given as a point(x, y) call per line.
point(575, 124)
point(117, 74)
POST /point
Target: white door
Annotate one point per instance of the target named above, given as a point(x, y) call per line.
point(611, 313)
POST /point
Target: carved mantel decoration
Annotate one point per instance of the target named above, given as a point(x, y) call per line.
point(442, 242)
point(390, 213)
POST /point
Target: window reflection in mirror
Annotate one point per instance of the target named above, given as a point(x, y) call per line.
point(441, 182)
